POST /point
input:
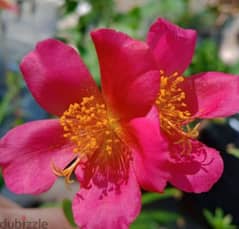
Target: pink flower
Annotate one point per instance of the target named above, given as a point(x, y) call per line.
point(183, 161)
point(95, 137)
point(7, 5)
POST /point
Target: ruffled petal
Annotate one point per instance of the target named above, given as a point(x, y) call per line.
point(199, 180)
point(26, 154)
point(151, 153)
point(173, 46)
point(56, 76)
point(93, 208)
point(130, 81)
point(212, 94)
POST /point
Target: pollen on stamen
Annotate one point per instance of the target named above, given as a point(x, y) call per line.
point(95, 136)
point(173, 111)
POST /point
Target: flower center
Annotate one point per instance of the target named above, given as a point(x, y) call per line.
point(174, 114)
point(87, 124)
point(97, 138)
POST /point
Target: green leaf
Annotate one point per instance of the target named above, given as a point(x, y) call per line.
point(13, 88)
point(151, 219)
point(219, 220)
point(168, 193)
point(231, 149)
point(67, 209)
point(1, 181)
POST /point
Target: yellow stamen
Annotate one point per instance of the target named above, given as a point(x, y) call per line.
point(173, 112)
point(93, 132)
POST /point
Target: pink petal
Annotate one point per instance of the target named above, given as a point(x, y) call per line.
point(8, 5)
point(27, 152)
point(129, 80)
point(215, 94)
point(151, 153)
point(56, 76)
point(173, 46)
point(211, 168)
point(115, 209)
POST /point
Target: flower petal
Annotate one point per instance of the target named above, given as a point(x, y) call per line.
point(93, 208)
point(130, 81)
point(27, 152)
point(215, 94)
point(151, 153)
point(211, 168)
point(56, 76)
point(173, 46)
point(8, 5)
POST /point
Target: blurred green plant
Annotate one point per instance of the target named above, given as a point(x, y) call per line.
point(219, 220)
point(206, 58)
point(149, 197)
point(153, 218)
point(12, 90)
point(233, 150)
point(67, 209)
point(1, 181)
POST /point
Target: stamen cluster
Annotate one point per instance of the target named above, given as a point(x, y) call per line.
point(173, 113)
point(96, 138)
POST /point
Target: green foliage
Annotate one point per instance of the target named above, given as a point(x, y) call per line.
point(206, 58)
point(170, 9)
point(13, 88)
point(1, 181)
point(219, 220)
point(67, 209)
point(149, 197)
point(153, 218)
point(234, 151)
point(70, 5)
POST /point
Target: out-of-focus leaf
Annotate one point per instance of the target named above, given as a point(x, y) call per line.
point(219, 220)
point(219, 121)
point(67, 209)
point(206, 58)
point(168, 193)
point(156, 8)
point(231, 149)
point(1, 181)
point(70, 5)
point(13, 87)
point(152, 219)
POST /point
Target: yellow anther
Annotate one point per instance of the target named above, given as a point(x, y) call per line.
point(107, 132)
point(108, 149)
point(173, 110)
point(91, 130)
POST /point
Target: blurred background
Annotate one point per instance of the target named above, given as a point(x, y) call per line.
point(217, 23)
